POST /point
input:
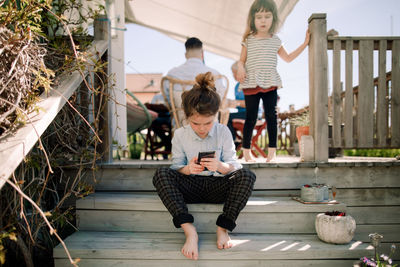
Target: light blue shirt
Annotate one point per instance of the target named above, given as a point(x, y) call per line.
point(188, 71)
point(186, 144)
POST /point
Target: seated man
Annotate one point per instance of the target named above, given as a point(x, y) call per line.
point(162, 124)
point(238, 104)
point(189, 70)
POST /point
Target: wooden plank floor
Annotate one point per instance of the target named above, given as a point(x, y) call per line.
point(205, 263)
point(166, 246)
point(150, 201)
point(144, 212)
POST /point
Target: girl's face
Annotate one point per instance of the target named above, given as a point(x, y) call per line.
point(201, 124)
point(263, 21)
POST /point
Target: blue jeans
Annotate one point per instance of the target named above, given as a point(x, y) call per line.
point(237, 115)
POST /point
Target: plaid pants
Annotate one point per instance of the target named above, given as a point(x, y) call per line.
point(176, 190)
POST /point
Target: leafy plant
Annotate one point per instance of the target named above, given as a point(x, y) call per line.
point(390, 153)
point(335, 213)
point(301, 119)
point(135, 148)
point(379, 260)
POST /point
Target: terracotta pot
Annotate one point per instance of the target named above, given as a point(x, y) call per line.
point(302, 130)
point(335, 229)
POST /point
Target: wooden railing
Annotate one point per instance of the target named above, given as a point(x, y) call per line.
point(370, 112)
point(15, 147)
point(372, 118)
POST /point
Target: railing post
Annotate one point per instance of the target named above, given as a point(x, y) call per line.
point(318, 85)
point(292, 134)
point(101, 32)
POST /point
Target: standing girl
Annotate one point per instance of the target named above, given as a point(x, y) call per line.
point(257, 72)
point(220, 179)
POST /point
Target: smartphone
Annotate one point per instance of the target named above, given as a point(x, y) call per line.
point(206, 154)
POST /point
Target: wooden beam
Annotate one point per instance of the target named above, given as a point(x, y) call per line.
point(348, 100)
point(318, 82)
point(102, 30)
point(395, 96)
point(356, 41)
point(382, 98)
point(336, 99)
point(365, 122)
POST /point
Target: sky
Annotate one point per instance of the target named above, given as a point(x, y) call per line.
point(148, 51)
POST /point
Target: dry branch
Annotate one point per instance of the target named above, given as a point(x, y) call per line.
point(21, 61)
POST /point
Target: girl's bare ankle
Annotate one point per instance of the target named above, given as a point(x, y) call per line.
point(247, 155)
point(271, 155)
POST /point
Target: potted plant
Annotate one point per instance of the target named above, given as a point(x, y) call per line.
point(378, 260)
point(335, 227)
point(302, 123)
point(135, 148)
point(314, 192)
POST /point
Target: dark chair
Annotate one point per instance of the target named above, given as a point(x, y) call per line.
point(238, 125)
point(159, 133)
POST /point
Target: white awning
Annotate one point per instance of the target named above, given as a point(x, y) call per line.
point(219, 24)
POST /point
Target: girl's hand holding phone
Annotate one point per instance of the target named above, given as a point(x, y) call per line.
point(210, 163)
point(195, 168)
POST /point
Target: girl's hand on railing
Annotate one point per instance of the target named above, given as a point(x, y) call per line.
point(307, 39)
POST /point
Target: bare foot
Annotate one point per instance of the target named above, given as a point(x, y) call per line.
point(247, 155)
point(271, 154)
point(223, 239)
point(191, 247)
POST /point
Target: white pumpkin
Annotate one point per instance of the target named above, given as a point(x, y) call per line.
point(335, 229)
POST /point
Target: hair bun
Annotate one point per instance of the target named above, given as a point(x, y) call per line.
point(206, 80)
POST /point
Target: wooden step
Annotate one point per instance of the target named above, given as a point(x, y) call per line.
point(125, 176)
point(144, 212)
point(163, 249)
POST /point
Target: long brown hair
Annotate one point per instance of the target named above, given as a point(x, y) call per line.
point(258, 6)
point(202, 98)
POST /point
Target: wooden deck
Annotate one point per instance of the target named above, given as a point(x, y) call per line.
point(124, 223)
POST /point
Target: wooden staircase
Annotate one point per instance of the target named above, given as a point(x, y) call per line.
point(125, 224)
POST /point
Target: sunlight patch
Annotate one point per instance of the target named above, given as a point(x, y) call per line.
point(274, 245)
point(290, 246)
point(236, 242)
point(304, 248)
point(355, 244)
point(260, 203)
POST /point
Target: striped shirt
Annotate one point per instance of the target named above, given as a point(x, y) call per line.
point(261, 62)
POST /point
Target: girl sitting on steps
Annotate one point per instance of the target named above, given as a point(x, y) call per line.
point(220, 179)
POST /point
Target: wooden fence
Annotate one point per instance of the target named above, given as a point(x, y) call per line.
point(368, 115)
point(363, 116)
